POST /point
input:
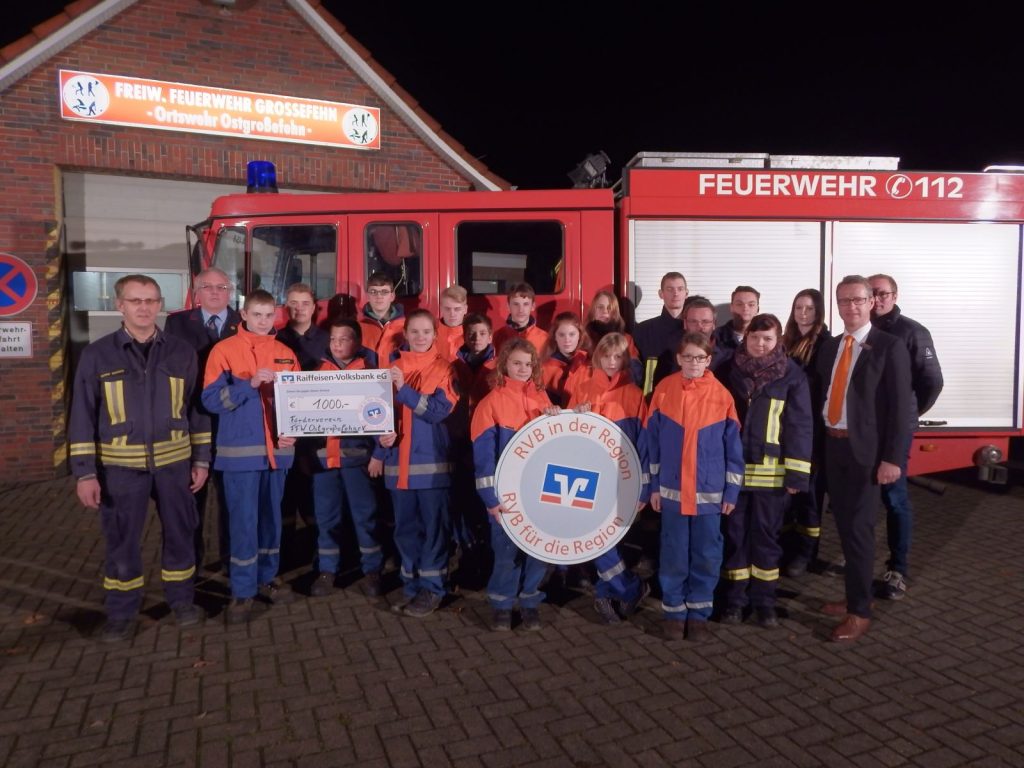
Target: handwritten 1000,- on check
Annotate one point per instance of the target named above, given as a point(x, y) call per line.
point(334, 403)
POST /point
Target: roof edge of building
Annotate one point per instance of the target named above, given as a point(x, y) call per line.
point(66, 34)
point(26, 56)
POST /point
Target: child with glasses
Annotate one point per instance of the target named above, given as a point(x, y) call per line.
point(696, 470)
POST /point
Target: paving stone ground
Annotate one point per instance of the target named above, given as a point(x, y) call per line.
point(939, 680)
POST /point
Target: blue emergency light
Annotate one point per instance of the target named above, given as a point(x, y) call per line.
point(262, 176)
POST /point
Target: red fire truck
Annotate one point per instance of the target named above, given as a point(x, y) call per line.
point(953, 241)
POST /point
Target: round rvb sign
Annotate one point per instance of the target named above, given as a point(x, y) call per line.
point(571, 484)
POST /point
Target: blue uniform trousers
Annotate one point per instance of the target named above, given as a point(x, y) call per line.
point(254, 520)
point(124, 504)
point(422, 533)
point(691, 556)
point(614, 581)
point(335, 492)
point(805, 508)
point(515, 574)
point(752, 548)
point(899, 519)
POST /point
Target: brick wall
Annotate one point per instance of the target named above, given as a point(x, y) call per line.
point(265, 48)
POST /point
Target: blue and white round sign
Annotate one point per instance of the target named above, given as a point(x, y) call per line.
point(571, 484)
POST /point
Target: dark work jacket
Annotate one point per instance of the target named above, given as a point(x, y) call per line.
point(653, 337)
point(925, 372)
point(777, 427)
point(309, 347)
point(725, 338)
point(135, 412)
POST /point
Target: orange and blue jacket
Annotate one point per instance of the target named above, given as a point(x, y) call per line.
point(496, 420)
point(246, 430)
point(532, 333)
point(384, 338)
point(559, 373)
point(420, 457)
point(450, 340)
point(693, 445)
point(133, 411)
point(620, 401)
point(339, 452)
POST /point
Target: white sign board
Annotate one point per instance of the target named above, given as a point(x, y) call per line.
point(15, 339)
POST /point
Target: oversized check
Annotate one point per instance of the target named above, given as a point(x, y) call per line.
point(334, 403)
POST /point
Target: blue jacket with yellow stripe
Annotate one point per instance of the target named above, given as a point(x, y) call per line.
point(777, 431)
point(135, 410)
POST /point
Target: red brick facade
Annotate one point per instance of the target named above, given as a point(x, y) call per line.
point(268, 48)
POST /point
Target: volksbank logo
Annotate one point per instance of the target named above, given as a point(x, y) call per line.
point(289, 377)
point(569, 486)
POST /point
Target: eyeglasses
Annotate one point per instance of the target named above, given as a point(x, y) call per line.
point(142, 302)
point(380, 291)
point(857, 301)
point(884, 294)
point(695, 358)
point(215, 287)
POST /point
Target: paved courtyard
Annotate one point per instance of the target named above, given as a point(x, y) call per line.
point(939, 680)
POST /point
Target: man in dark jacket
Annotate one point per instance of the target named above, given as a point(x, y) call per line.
point(202, 327)
point(926, 381)
point(864, 384)
point(653, 336)
point(744, 303)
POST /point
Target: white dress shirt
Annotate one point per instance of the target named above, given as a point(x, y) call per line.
point(859, 336)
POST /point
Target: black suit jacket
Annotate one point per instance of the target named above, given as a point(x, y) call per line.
point(188, 325)
point(879, 400)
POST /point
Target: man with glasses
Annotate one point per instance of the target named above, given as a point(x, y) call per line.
point(926, 382)
point(135, 434)
point(202, 327)
point(698, 317)
point(866, 395)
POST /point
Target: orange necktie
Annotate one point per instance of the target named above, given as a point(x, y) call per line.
point(835, 400)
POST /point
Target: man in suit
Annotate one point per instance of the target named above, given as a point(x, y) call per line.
point(202, 327)
point(865, 384)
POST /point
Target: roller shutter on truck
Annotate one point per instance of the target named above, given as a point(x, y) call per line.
point(959, 280)
point(952, 241)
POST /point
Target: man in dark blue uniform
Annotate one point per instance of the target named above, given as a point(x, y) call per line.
point(653, 336)
point(135, 434)
point(211, 321)
point(309, 342)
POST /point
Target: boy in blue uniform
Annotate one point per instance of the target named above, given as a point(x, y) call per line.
point(240, 388)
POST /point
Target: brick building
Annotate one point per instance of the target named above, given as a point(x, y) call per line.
point(83, 202)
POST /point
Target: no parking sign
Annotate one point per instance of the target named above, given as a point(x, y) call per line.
point(18, 285)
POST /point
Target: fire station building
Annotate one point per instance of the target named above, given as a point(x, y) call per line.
point(122, 120)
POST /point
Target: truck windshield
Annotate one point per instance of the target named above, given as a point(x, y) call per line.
point(288, 254)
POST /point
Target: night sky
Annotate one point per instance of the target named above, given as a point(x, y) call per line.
point(531, 88)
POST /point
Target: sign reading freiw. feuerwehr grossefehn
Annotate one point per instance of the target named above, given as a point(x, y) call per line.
point(571, 484)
